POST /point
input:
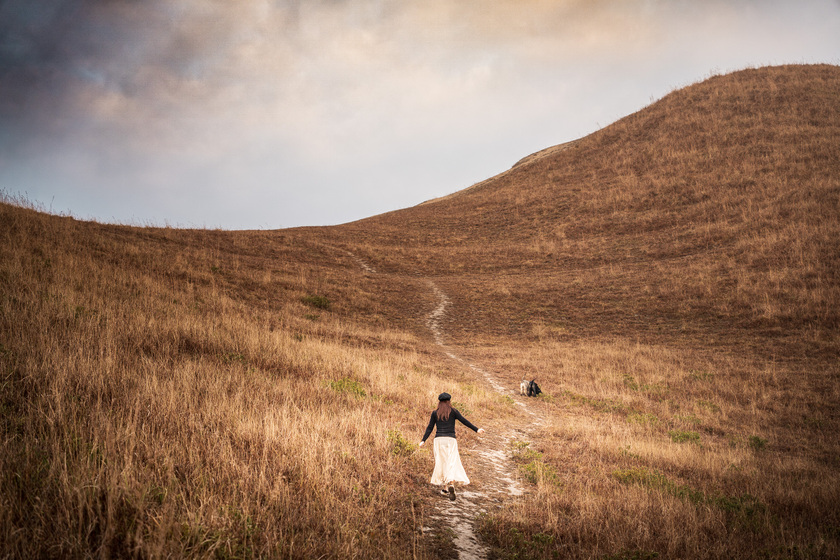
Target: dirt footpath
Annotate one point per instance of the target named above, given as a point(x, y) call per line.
point(493, 480)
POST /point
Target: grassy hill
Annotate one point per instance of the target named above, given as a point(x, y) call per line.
point(671, 281)
point(733, 180)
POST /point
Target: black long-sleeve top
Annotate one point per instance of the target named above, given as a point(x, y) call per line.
point(446, 428)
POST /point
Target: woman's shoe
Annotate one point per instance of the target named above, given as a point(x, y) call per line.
point(451, 493)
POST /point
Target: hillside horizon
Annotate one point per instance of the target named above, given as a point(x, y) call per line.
point(731, 196)
point(671, 280)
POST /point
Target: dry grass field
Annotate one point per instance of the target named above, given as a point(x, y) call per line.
point(206, 394)
point(672, 281)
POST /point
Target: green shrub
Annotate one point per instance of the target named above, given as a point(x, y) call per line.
point(689, 419)
point(631, 383)
point(657, 481)
point(697, 375)
point(350, 386)
point(234, 357)
point(757, 443)
point(516, 542)
point(532, 465)
point(319, 302)
point(709, 405)
point(745, 503)
point(679, 436)
point(462, 408)
point(601, 405)
point(400, 446)
point(642, 418)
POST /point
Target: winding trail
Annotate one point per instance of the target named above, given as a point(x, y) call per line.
point(494, 477)
point(492, 473)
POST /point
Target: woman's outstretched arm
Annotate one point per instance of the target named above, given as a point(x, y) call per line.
point(429, 428)
point(466, 422)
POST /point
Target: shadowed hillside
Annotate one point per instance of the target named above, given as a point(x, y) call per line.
point(671, 281)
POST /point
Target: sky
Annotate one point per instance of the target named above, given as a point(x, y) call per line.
point(264, 114)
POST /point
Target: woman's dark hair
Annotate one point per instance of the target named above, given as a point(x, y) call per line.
point(444, 409)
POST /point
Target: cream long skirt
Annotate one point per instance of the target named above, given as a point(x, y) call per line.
point(448, 467)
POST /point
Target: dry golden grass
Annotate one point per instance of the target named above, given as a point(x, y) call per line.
point(682, 451)
point(170, 393)
point(671, 281)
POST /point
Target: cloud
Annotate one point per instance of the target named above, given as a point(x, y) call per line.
point(138, 65)
point(326, 110)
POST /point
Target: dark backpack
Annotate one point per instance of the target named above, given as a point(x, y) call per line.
point(533, 389)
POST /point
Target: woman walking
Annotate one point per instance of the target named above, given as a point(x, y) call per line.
point(448, 467)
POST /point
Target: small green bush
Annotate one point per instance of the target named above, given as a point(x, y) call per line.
point(601, 405)
point(709, 405)
point(516, 542)
point(679, 436)
point(350, 386)
point(400, 446)
point(744, 504)
point(697, 375)
point(757, 443)
point(643, 418)
point(234, 357)
point(689, 419)
point(532, 465)
point(631, 383)
point(462, 408)
point(319, 302)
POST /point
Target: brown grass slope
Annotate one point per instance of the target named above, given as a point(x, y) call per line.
point(671, 280)
point(169, 393)
point(717, 205)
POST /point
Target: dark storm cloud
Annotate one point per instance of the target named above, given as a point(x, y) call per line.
point(49, 48)
point(59, 59)
point(33, 61)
